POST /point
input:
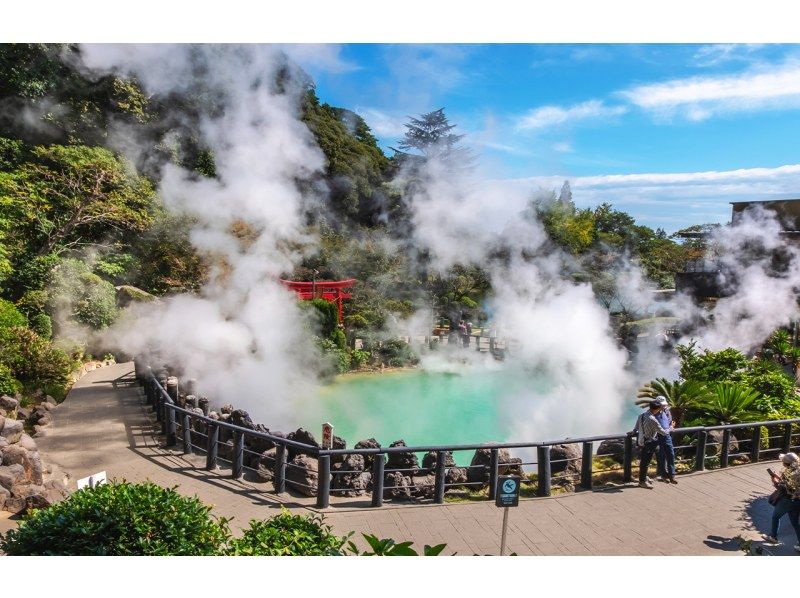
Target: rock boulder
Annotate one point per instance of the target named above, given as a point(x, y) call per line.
point(369, 443)
point(566, 458)
point(406, 461)
point(12, 430)
point(303, 475)
point(481, 462)
point(8, 403)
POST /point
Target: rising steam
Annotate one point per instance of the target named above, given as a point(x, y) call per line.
point(242, 338)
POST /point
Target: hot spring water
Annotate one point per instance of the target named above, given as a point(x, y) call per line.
point(423, 407)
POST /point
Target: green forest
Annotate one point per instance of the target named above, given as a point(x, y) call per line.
point(83, 231)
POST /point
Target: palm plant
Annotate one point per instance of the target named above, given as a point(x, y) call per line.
point(779, 348)
point(681, 396)
point(730, 403)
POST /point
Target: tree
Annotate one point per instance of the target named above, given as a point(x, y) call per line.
point(431, 137)
point(64, 198)
point(565, 196)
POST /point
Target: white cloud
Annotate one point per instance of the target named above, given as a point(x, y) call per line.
point(678, 199)
point(698, 98)
point(382, 123)
point(563, 147)
point(714, 54)
point(549, 116)
point(319, 57)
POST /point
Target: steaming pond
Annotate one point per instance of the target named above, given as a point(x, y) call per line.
point(423, 407)
point(431, 407)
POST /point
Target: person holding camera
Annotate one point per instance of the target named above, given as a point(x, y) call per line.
point(786, 498)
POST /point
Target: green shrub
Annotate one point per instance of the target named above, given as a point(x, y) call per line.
point(769, 379)
point(77, 292)
point(287, 534)
point(9, 385)
point(42, 325)
point(339, 338)
point(120, 518)
point(359, 358)
point(32, 358)
point(327, 315)
point(10, 316)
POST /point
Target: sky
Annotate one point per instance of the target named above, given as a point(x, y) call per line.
point(670, 133)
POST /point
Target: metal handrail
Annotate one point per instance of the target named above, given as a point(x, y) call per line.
point(167, 410)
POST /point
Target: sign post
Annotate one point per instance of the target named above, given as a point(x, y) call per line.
point(327, 435)
point(507, 496)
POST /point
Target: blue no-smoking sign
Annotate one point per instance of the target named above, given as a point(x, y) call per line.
point(507, 491)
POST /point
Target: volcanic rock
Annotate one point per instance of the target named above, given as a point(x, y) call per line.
point(566, 458)
point(302, 436)
point(396, 486)
point(354, 480)
point(265, 466)
point(481, 462)
point(615, 449)
point(302, 476)
point(407, 461)
point(369, 443)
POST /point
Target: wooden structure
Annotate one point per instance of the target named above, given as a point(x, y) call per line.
point(330, 290)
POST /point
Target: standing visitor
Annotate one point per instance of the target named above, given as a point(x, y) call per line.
point(665, 456)
point(649, 429)
point(787, 484)
point(467, 333)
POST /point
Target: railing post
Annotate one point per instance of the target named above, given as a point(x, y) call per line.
point(494, 462)
point(211, 446)
point(170, 420)
point(700, 455)
point(726, 448)
point(148, 384)
point(238, 454)
point(755, 444)
point(586, 465)
point(627, 460)
point(323, 481)
point(441, 470)
point(279, 481)
point(543, 467)
point(158, 403)
point(787, 438)
point(187, 434)
point(377, 480)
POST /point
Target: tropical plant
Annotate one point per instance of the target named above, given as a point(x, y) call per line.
point(120, 518)
point(388, 547)
point(779, 348)
point(730, 403)
point(287, 535)
point(682, 396)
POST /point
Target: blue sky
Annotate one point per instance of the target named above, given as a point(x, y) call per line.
point(669, 133)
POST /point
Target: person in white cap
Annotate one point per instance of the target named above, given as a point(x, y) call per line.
point(789, 503)
point(665, 456)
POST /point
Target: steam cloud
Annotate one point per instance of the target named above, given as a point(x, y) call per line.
point(242, 337)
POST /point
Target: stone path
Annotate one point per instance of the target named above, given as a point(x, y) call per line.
point(105, 425)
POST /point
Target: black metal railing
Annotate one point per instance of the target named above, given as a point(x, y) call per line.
point(700, 448)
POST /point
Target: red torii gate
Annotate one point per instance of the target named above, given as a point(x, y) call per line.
point(330, 290)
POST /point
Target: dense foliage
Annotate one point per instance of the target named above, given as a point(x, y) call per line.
point(120, 519)
point(729, 387)
point(287, 535)
point(143, 519)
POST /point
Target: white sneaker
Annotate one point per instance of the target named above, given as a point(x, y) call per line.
point(647, 485)
point(770, 539)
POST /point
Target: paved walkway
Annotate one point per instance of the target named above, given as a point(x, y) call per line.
point(105, 425)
